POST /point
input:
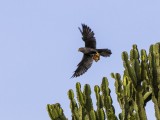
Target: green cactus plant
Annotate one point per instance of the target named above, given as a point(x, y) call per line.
point(56, 112)
point(139, 84)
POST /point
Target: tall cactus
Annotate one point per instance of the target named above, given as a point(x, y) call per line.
point(154, 64)
point(140, 83)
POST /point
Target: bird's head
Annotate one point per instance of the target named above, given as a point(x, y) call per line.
point(82, 49)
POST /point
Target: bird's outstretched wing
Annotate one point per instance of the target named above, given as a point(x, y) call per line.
point(83, 66)
point(88, 36)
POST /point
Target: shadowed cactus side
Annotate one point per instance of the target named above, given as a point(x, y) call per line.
point(140, 84)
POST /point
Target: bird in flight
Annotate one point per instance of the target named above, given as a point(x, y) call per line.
point(90, 53)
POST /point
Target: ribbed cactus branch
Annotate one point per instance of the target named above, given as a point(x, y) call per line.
point(107, 100)
point(100, 114)
point(73, 105)
point(98, 97)
point(118, 87)
point(88, 99)
point(154, 63)
point(80, 95)
point(129, 70)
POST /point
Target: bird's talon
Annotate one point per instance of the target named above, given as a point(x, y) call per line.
point(96, 57)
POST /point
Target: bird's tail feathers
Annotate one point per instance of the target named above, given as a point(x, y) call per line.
point(104, 52)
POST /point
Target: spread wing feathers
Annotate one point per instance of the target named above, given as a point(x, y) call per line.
point(104, 52)
point(83, 66)
point(88, 36)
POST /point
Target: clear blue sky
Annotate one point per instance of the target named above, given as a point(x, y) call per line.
point(38, 49)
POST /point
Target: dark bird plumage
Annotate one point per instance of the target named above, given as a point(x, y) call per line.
point(88, 36)
point(90, 52)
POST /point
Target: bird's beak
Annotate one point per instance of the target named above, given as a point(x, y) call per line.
point(78, 50)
